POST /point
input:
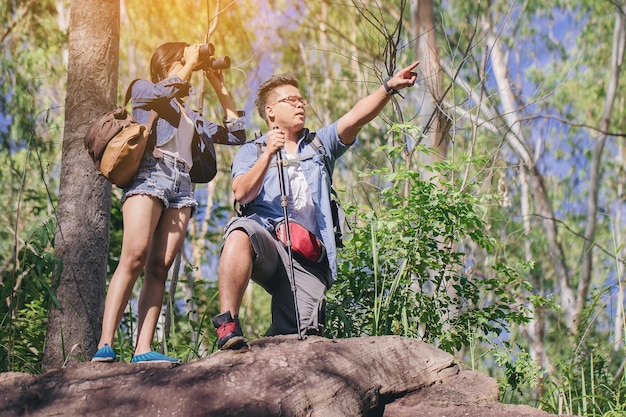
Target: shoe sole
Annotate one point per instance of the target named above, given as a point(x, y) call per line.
point(234, 343)
point(157, 361)
point(242, 349)
point(102, 360)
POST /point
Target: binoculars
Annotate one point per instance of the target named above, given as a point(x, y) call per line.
point(209, 60)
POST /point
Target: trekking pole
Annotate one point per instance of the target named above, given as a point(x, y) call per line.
point(283, 202)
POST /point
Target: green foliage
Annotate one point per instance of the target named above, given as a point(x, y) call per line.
point(585, 387)
point(27, 289)
point(116, 231)
point(30, 76)
point(520, 370)
point(588, 378)
point(193, 335)
point(404, 270)
point(30, 57)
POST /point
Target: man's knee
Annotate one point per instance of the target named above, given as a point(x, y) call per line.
point(237, 243)
point(238, 235)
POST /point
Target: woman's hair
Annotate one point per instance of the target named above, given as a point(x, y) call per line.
point(267, 88)
point(163, 58)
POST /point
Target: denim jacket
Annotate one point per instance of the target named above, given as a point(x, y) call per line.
point(266, 207)
point(164, 97)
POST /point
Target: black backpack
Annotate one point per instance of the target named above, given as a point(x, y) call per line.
point(339, 215)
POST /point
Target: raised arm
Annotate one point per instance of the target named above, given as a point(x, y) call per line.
point(366, 109)
point(216, 78)
point(233, 130)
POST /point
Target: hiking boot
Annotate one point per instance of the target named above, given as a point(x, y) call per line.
point(153, 357)
point(104, 354)
point(229, 334)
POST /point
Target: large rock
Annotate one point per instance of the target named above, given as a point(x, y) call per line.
point(279, 376)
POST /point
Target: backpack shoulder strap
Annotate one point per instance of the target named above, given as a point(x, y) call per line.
point(152, 118)
point(153, 114)
point(259, 149)
point(129, 91)
point(241, 209)
point(314, 141)
point(338, 214)
point(259, 145)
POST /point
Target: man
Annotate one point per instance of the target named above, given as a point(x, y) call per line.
point(251, 249)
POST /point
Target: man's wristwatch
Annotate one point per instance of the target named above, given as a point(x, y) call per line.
point(389, 90)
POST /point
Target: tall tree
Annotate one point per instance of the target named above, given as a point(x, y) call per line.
point(83, 213)
point(431, 116)
point(595, 179)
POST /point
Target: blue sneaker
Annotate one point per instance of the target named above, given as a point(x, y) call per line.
point(153, 357)
point(104, 354)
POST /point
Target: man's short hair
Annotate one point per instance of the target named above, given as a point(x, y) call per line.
point(266, 89)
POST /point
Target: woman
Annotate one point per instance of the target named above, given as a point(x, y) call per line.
point(157, 204)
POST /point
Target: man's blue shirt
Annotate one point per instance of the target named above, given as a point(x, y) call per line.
point(266, 207)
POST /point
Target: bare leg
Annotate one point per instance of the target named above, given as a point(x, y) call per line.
point(168, 237)
point(234, 271)
point(141, 214)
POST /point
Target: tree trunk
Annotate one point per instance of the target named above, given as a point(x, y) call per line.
point(83, 213)
point(597, 161)
point(535, 330)
point(432, 119)
point(617, 340)
point(542, 205)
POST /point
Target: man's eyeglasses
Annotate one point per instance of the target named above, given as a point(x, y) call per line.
point(292, 100)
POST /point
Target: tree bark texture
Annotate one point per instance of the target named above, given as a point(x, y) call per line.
point(278, 376)
point(83, 212)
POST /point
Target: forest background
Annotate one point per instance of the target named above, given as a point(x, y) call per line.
point(485, 205)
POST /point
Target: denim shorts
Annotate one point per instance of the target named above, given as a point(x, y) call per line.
point(165, 178)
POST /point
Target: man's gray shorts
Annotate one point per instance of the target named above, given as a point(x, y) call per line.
point(270, 271)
